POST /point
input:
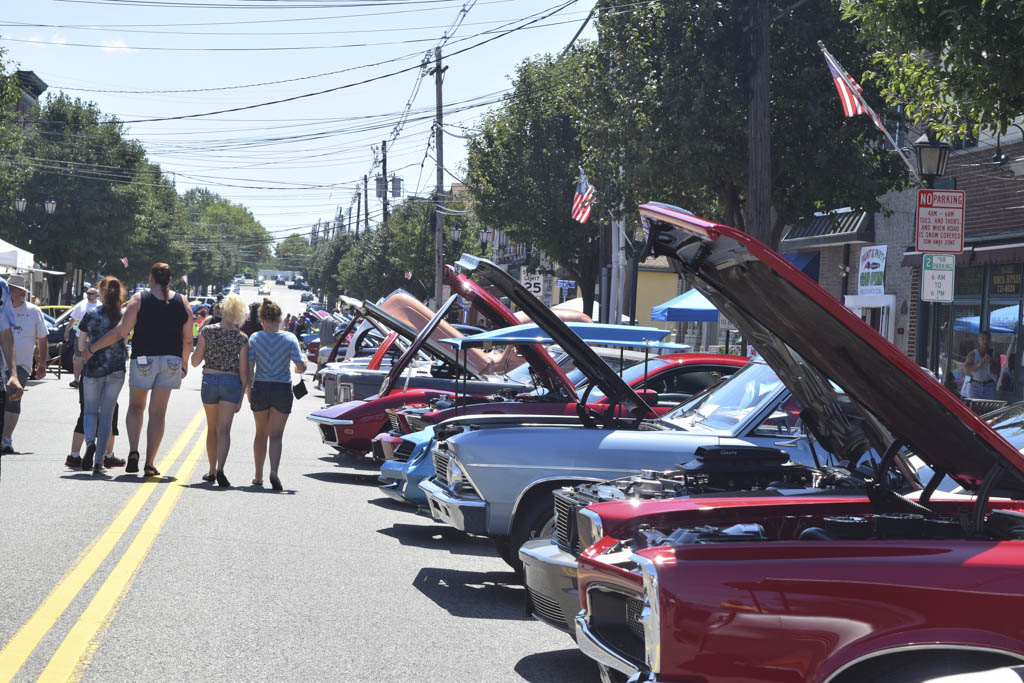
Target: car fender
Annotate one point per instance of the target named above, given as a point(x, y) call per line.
point(844, 663)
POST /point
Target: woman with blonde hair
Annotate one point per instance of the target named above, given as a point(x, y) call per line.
point(102, 373)
point(225, 376)
point(270, 391)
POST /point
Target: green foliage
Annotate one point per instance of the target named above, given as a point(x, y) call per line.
point(223, 238)
point(954, 64)
point(668, 101)
point(523, 165)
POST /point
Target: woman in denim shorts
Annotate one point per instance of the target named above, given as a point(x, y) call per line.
point(225, 375)
point(270, 391)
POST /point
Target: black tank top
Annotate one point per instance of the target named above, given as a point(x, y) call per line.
point(158, 328)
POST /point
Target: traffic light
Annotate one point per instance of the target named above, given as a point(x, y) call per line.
point(259, 253)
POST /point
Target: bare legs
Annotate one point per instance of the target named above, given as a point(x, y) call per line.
point(212, 421)
point(154, 424)
point(269, 431)
point(226, 414)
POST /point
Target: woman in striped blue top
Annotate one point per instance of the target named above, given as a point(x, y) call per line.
point(270, 387)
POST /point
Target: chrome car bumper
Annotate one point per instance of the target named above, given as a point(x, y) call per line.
point(469, 515)
point(551, 584)
point(592, 647)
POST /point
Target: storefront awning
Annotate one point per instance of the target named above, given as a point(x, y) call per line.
point(977, 255)
point(834, 229)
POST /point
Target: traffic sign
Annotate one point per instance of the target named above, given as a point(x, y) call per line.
point(939, 226)
point(937, 277)
point(533, 282)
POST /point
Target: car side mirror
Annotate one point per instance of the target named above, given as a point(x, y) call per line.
point(650, 396)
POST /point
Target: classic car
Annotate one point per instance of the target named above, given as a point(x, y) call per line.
point(494, 474)
point(411, 461)
point(880, 587)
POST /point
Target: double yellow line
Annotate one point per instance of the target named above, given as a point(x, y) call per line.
point(76, 650)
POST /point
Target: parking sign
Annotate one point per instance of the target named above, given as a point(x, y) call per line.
point(937, 277)
point(939, 226)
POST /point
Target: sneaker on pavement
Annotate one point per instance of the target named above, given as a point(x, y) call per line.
point(7, 447)
point(74, 384)
point(73, 461)
point(111, 461)
point(99, 471)
point(90, 451)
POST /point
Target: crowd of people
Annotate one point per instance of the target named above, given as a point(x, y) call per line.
point(242, 357)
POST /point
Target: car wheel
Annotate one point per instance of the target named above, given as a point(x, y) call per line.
point(536, 519)
point(504, 548)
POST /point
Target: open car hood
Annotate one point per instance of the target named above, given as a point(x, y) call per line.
point(399, 366)
point(807, 336)
point(587, 361)
point(386, 322)
point(549, 373)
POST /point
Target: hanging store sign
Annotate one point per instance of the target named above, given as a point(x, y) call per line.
point(939, 227)
point(937, 277)
point(871, 274)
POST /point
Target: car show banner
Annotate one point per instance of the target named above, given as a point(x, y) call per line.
point(871, 274)
point(939, 227)
point(937, 274)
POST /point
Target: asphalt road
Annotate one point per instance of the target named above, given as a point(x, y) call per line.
point(116, 580)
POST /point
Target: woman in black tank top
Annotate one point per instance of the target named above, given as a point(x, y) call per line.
point(161, 346)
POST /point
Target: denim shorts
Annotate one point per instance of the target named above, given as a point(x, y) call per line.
point(159, 372)
point(217, 387)
point(276, 395)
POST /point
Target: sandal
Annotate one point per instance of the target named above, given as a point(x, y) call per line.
point(209, 477)
point(150, 471)
point(133, 463)
point(275, 483)
point(257, 482)
point(222, 481)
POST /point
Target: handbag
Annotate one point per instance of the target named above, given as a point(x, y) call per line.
point(300, 390)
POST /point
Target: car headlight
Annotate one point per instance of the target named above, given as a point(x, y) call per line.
point(455, 476)
point(589, 528)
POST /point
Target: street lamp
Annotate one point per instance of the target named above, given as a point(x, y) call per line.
point(49, 205)
point(456, 237)
point(19, 204)
point(932, 156)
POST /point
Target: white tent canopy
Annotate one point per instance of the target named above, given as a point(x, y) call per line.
point(577, 305)
point(13, 257)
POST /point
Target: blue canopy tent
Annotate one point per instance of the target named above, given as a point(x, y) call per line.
point(1000, 321)
point(691, 306)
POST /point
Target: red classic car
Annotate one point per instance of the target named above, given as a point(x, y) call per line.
point(891, 586)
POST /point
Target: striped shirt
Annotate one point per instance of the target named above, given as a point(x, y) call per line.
point(271, 352)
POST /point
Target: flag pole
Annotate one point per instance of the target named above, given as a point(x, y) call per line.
point(878, 123)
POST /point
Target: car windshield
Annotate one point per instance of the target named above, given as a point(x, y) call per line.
point(1009, 422)
point(630, 375)
point(727, 404)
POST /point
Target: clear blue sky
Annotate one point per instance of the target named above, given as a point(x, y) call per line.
point(296, 162)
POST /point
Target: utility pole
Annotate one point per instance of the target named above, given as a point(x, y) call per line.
point(759, 144)
point(439, 192)
point(384, 165)
point(366, 206)
point(359, 208)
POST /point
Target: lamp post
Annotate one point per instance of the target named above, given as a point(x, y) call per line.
point(49, 206)
point(932, 156)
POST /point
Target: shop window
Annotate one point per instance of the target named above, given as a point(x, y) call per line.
point(966, 323)
point(1003, 323)
point(1004, 280)
point(969, 281)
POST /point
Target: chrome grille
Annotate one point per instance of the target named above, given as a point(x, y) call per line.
point(634, 610)
point(403, 452)
point(441, 458)
point(345, 392)
point(396, 424)
point(546, 608)
point(566, 536)
point(328, 434)
point(614, 618)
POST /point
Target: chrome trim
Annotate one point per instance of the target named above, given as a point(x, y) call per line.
point(598, 527)
point(651, 617)
point(918, 648)
point(329, 420)
point(593, 648)
point(432, 489)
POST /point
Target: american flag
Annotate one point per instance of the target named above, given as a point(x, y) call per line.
point(583, 199)
point(124, 261)
point(849, 91)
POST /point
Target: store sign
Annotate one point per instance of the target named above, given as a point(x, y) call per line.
point(940, 221)
point(1004, 280)
point(937, 274)
point(871, 275)
point(533, 282)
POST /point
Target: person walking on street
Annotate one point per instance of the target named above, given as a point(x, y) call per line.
point(74, 459)
point(29, 345)
point(270, 390)
point(78, 312)
point(252, 322)
point(982, 369)
point(102, 372)
point(12, 388)
point(162, 321)
point(225, 351)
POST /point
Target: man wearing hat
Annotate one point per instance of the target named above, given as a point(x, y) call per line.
point(29, 344)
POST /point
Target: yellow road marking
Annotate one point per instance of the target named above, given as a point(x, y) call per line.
point(19, 648)
point(75, 653)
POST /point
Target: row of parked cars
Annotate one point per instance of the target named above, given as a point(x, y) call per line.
point(826, 511)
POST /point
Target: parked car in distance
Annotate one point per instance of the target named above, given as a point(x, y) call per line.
point(306, 296)
point(264, 290)
point(280, 280)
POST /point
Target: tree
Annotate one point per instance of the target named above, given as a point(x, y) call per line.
point(665, 112)
point(223, 237)
point(523, 166)
point(953, 64)
point(13, 176)
point(293, 253)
